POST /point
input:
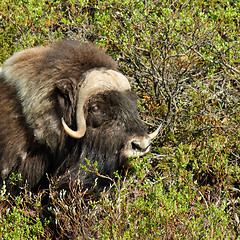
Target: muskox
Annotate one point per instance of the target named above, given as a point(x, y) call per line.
point(62, 104)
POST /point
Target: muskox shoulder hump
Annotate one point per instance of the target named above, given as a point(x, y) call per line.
point(86, 55)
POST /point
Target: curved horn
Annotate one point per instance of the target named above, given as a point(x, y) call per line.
point(155, 133)
point(75, 134)
point(96, 81)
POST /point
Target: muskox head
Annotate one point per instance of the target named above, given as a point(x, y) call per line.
point(109, 129)
point(77, 106)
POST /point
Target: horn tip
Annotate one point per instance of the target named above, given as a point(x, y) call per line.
point(156, 132)
point(70, 132)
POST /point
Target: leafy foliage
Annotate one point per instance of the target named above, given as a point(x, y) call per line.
point(184, 57)
point(18, 219)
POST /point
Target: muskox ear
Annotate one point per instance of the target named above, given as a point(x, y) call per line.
point(66, 88)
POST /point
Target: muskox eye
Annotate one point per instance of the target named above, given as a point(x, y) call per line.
point(95, 108)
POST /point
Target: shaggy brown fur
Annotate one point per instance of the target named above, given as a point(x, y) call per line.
point(38, 87)
point(17, 144)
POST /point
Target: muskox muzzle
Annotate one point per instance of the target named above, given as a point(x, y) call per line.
point(139, 146)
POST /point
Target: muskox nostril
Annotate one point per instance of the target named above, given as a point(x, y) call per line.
point(136, 146)
point(140, 145)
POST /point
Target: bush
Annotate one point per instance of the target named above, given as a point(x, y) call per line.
point(20, 216)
